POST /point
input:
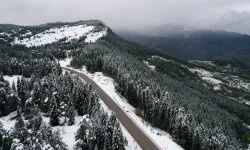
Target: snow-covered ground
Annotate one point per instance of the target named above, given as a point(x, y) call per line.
point(68, 132)
point(158, 57)
point(152, 67)
point(12, 78)
point(160, 137)
point(56, 34)
point(210, 77)
point(210, 63)
point(8, 121)
point(65, 62)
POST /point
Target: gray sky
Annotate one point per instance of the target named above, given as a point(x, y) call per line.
point(230, 15)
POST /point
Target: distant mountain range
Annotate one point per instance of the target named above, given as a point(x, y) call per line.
point(195, 44)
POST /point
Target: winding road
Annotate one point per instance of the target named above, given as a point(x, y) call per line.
point(145, 142)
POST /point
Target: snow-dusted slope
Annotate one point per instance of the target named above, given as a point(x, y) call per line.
point(67, 33)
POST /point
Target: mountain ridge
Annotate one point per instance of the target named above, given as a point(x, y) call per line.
point(193, 44)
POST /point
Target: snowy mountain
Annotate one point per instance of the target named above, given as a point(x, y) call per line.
point(64, 33)
point(199, 105)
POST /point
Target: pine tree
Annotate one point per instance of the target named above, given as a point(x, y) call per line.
point(54, 113)
point(36, 94)
point(3, 102)
point(1, 77)
point(82, 134)
point(20, 131)
point(58, 69)
point(21, 90)
point(98, 122)
point(13, 102)
point(119, 142)
point(56, 141)
point(5, 139)
point(79, 101)
point(14, 87)
point(71, 113)
point(29, 108)
point(109, 131)
point(94, 105)
point(36, 120)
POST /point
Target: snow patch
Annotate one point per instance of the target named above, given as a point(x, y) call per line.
point(158, 57)
point(12, 78)
point(65, 62)
point(7, 34)
point(93, 37)
point(8, 121)
point(152, 67)
point(211, 80)
point(65, 32)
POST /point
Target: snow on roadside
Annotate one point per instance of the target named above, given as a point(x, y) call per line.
point(162, 138)
point(12, 78)
point(65, 62)
point(132, 144)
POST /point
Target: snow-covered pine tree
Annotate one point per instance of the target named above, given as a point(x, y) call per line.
point(109, 131)
point(56, 141)
point(13, 101)
point(94, 104)
point(54, 111)
point(3, 102)
point(29, 108)
point(119, 142)
point(21, 90)
point(14, 87)
point(98, 122)
point(36, 95)
point(1, 77)
point(82, 135)
point(36, 120)
point(20, 133)
point(71, 112)
point(5, 139)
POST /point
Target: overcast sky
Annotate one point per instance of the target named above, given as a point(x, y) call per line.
point(230, 15)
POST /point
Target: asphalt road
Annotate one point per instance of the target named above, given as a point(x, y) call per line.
point(145, 142)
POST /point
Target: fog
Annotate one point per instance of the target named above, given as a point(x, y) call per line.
point(230, 15)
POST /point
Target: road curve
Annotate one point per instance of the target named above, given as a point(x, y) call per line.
point(145, 142)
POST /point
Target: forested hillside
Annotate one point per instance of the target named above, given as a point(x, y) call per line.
point(44, 91)
point(197, 118)
point(194, 44)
